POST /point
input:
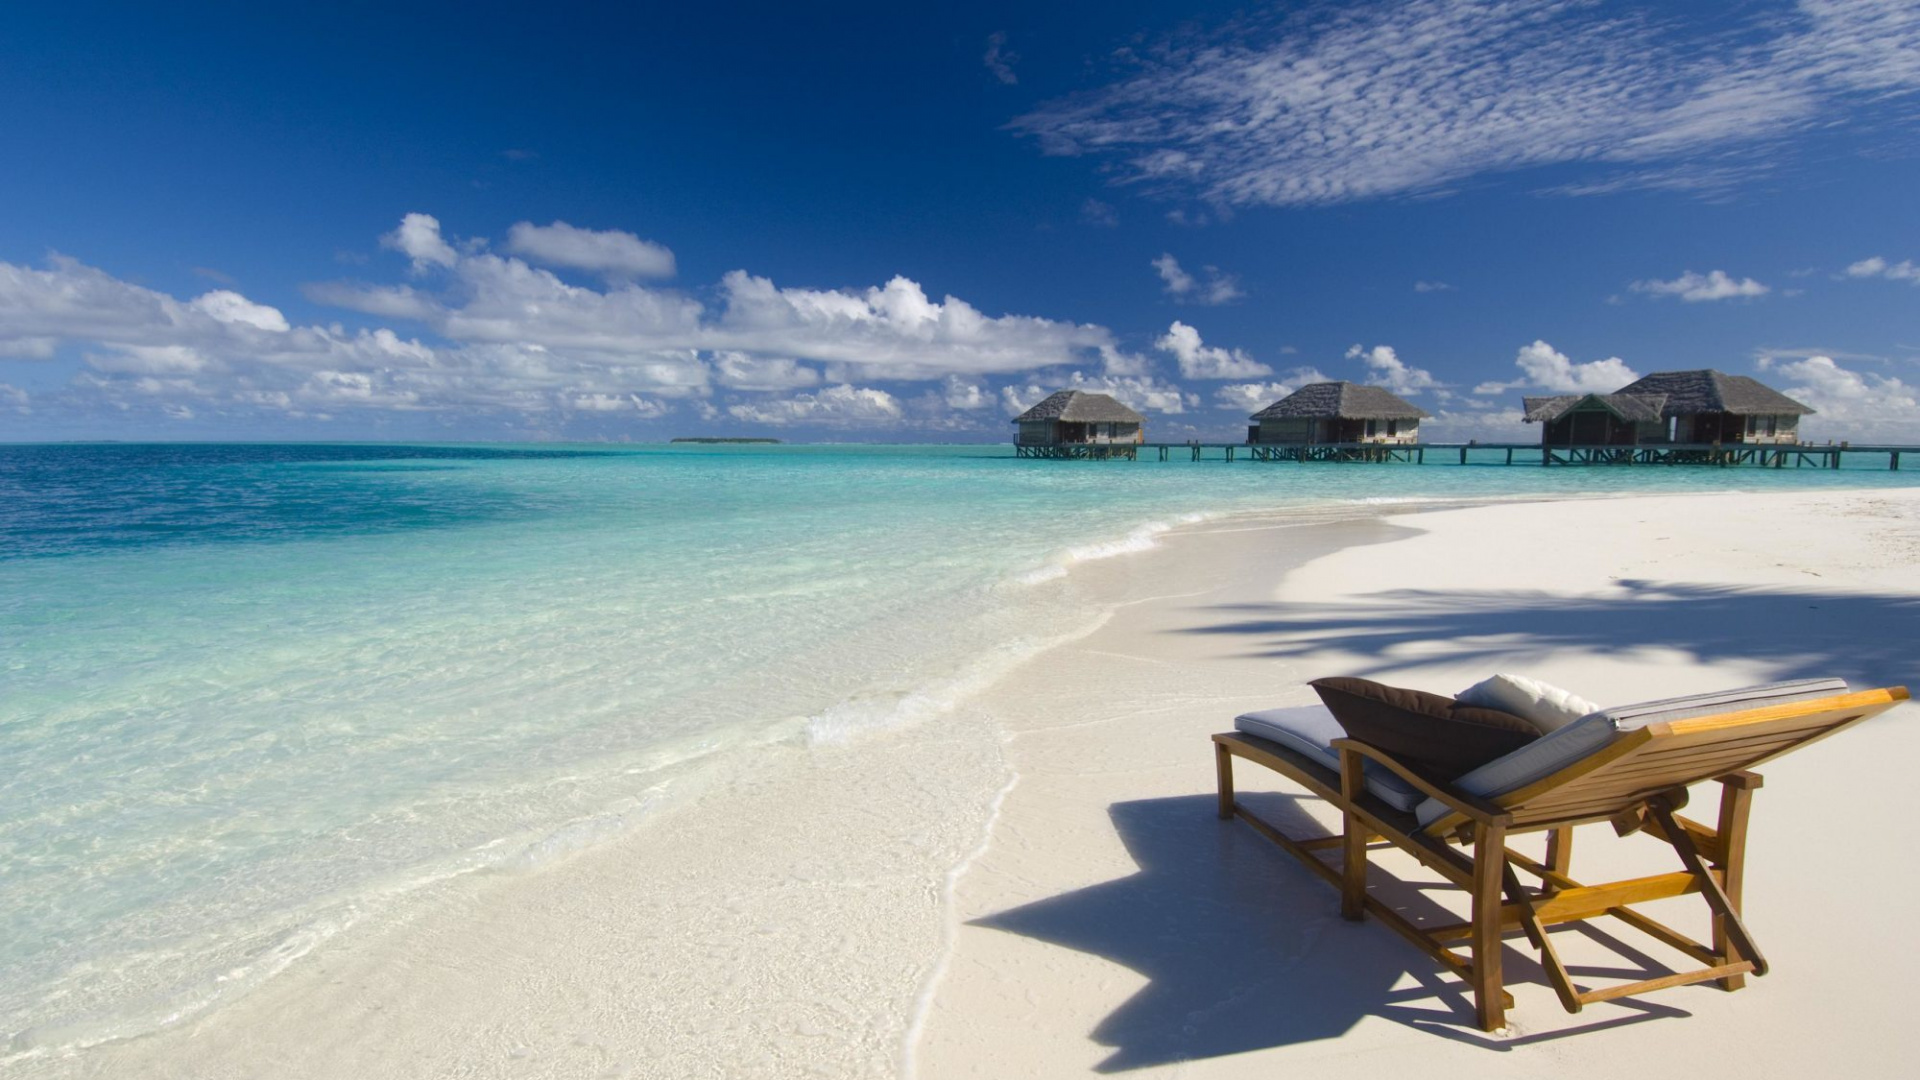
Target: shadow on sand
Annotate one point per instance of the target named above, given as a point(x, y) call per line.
point(1863, 638)
point(1243, 949)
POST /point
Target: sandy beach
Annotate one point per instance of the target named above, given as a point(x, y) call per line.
point(1056, 898)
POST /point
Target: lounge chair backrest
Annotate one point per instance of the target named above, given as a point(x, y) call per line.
point(1609, 762)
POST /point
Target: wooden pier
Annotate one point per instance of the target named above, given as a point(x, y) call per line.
point(1729, 455)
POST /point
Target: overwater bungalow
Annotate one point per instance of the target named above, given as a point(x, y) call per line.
point(1598, 419)
point(1076, 423)
point(1714, 407)
point(1336, 412)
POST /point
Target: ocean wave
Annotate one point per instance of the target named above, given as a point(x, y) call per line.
point(1142, 538)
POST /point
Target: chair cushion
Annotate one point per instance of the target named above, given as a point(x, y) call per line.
point(1310, 730)
point(1434, 735)
point(1546, 706)
point(1554, 752)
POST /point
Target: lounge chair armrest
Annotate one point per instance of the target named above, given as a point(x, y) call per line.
point(1469, 806)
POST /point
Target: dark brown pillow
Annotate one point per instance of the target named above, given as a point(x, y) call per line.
point(1434, 735)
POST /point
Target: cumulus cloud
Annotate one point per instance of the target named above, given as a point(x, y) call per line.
point(1254, 396)
point(1218, 288)
point(1850, 404)
point(500, 337)
point(1547, 368)
point(1337, 102)
point(385, 301)
point(610, 252)
point(1385, 368)
point(1873, 267)
point(958, 393)
point(13, 397)
point(1201, 361)
point(739, 371)
point(419, 239)
point(1143, 393)
point(1693, 288)
point(835, 406)
point(999, 59)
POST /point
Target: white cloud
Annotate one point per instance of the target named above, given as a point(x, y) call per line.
point(623, 404)
point(1218, 288)
point(230, 307)
point(1200, 361)
point(1178, 282)
point(999, 59)
point(386, 301)
point(891, 332)
point(1431, 286)
point(1904, 270)
point(1547, 368)
point(1502, 424)
point(1346, 102)
point(835, 406)
point(611, 252)
point(1388, 370)
point(1693, 287)
point(1850, 404)
point(13, 397)
point(418, 238)
point(1143, 393)
point(504, 338)
point(958, 393)
point(1251, 397)
point(1095, 212)
point(739, 371)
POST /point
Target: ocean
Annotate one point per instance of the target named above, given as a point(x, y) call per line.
point(251, 695)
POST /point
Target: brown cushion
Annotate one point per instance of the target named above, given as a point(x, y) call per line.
point(1434, 735)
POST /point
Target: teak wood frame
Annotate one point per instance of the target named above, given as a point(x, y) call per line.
point(1638, 782)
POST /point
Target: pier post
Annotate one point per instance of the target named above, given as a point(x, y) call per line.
point(1894, 463)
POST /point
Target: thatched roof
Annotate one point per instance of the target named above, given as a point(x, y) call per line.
point(1081, 407)
point(1632, 408)
point(1342, 400)
point(1690, 392)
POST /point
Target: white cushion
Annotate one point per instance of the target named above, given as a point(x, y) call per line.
point(1550, 753)
point(1544, 705)
point(1310, 730)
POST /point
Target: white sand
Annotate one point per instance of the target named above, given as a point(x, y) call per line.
point(1115, 926)
point(1100, 918)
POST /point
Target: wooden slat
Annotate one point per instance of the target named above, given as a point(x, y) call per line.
point(1584, 902)
point(1683, 978)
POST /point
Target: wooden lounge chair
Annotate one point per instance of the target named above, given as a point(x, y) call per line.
point(1630, 766)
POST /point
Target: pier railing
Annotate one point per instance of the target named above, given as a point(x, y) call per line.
point(1721, 455)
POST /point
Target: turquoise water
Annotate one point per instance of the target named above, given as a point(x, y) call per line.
point(252, 694)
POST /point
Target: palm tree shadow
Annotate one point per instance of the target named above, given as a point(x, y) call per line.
point(1798, 632)
point(1244, 950)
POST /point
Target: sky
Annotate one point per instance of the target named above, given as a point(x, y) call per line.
point(868, 222)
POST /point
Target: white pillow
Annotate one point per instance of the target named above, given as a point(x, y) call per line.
point(1548, 707)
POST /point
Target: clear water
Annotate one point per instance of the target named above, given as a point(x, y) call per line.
point(249, 694)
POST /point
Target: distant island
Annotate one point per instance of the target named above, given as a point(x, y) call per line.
point(711, 439)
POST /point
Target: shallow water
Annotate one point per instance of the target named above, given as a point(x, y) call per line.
point(249, 694)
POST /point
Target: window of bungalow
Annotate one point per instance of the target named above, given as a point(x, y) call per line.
point(1772, 424)
point(1370, 428)
point(1393, 428)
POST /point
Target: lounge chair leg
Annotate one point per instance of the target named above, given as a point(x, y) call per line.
point(1223, 765)
point(1726, 915)
point(1489, 859)
point(1353, 847)
point(1560, 852)
point(1736, 799)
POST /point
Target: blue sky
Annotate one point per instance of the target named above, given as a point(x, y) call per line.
point(861, 222)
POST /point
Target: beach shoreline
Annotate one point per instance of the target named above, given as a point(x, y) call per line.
point(894, 965)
